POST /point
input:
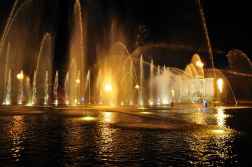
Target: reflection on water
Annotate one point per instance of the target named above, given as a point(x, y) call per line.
point(94, 140)
point(108, 117)
point(88, 118)
point(221, 116)
point(16, 129)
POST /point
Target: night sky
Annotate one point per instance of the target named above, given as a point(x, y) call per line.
point(172, 22)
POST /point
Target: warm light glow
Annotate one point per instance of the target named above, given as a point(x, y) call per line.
point(56, 102)
point(107, 117)
point(220, 116)
point(151, 103)
point(77, 81)
point(108, 87)
point(67, 102)
point(20, 76)
point(141, 103)
point(199, 64)
point(173, 92)
point(137, 87)
point(88, 118)
point(122, 103)
point(165, 101)
point(218, 131)
point(220, 84)
point(29, 104)
point(20, 102)
point(76, 101)
point(6, 102)
point(145, 113)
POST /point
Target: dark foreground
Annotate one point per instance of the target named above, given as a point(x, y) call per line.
point(193, 137)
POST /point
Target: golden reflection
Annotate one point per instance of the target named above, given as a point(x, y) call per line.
point(16, 134)
point(106, 143)
point(204, 140)
point(108, 117)
point(145, 113)
point(88, 118)
point(218, 131)
point(199, 117)
point(221, 116)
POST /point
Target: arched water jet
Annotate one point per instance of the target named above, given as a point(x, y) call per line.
point(7, 25)
point(55, 89)
point(42, 71)
point(77, 55)
point(206, 33)
point(14, 13)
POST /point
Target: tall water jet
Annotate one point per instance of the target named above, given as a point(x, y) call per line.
point(77, 55)
point(46, 88)
point(42, 71)
point(6, 71)
point(115, 80)
point(66, 88)
point(206, 33)
point(28, 89)
point(55, 89)
point(7, 99)
point(34, 88)
point(151, 83)
point(20, 97)
point(141, 80)
point(77, 88)
point(158, 70)
point(88, 86)
point(8, 25)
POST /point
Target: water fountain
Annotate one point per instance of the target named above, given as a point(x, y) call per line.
point(119, 77)
point(77, 57)
point(141, 80)
point(43, 71)
point(7, 98)
point(151, 85)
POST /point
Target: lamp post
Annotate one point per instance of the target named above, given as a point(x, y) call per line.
point(20, 77)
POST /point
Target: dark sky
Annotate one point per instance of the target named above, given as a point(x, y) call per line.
point(165, 20)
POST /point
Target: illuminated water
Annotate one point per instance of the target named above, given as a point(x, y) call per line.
point(147, 138)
